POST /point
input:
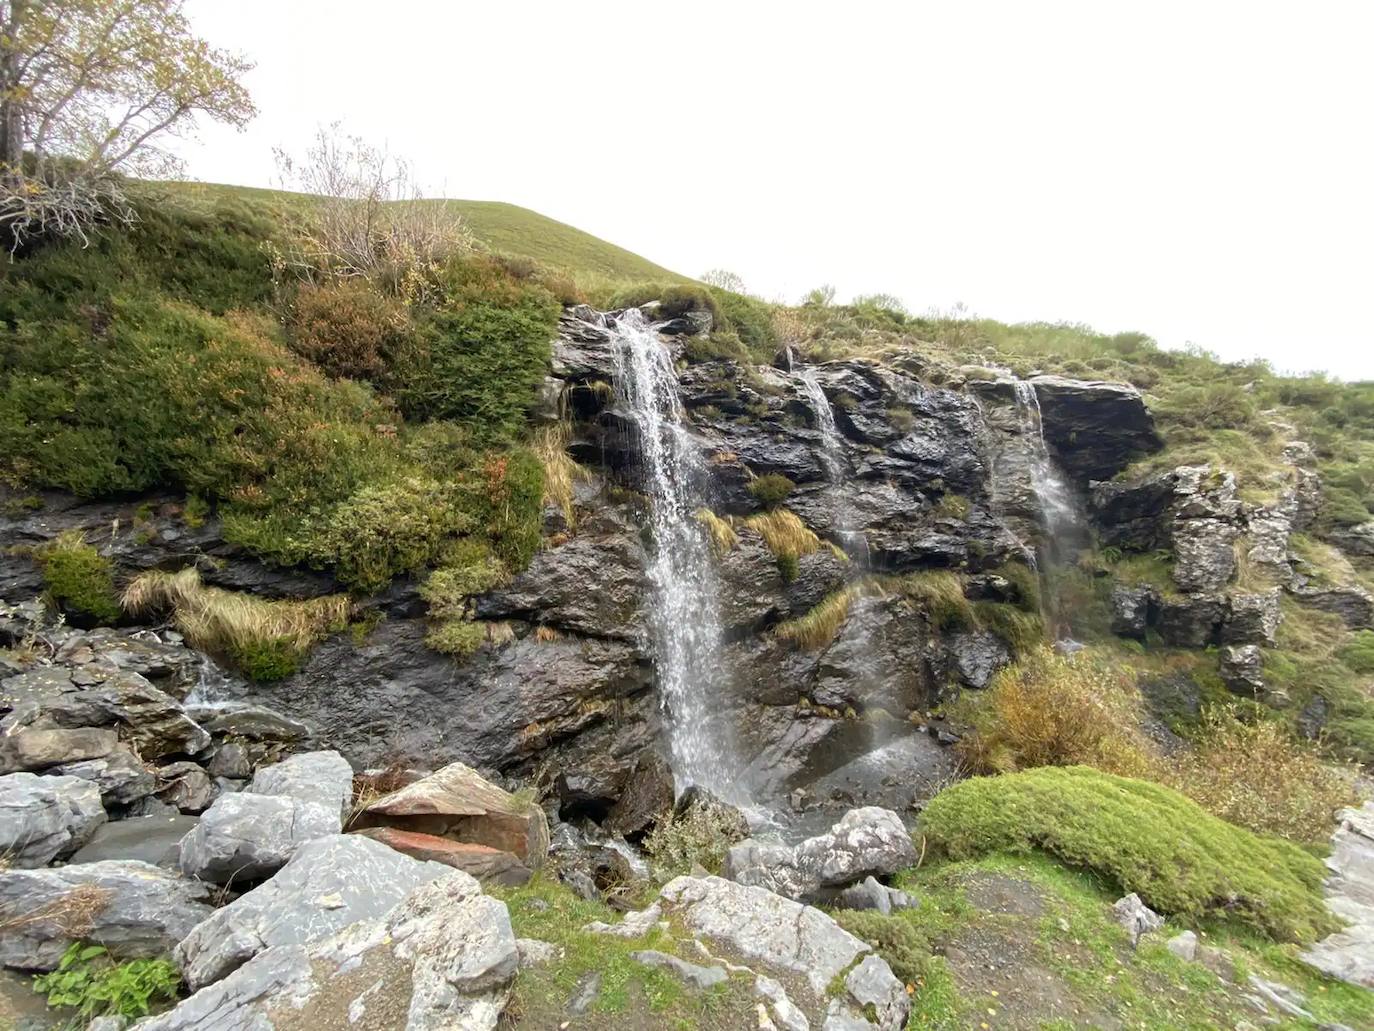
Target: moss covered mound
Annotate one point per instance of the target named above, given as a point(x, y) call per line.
point(1143, 837)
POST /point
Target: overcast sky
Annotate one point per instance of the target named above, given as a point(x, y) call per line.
point(1200, 171)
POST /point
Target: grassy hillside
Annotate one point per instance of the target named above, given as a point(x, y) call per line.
point(499, 227)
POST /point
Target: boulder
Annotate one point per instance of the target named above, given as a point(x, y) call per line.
point(1135, 917)
point(1251, 618)
point(976, 656)
point(459, 803)
point(329, 883)
point(231, 760)
point(1204, 554)
point(1135, 608)
point(132, 908)
point(121, 778)
point(148, 718)
point(444, 957)
point(866, 842)
point(488, 865)
point(1354, 540)
point(1348, 954)
point(794, 940)
point(324, 778)
point(33, 749)
point(1242, 669)
point(1352, 603)
point(1094, 429)
point(245, 837)
point(149, 839)
point(43, 818)
point(1190, 621)
point(250, 722)
point(186, 786)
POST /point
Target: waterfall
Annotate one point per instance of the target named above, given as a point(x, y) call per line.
point(831, 457)
point(1058, 509)
point(1065, 529)
point(683, 619)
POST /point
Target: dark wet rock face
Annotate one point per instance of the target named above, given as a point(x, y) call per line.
point(1094, 429)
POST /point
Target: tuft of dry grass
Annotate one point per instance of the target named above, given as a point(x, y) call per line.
point(723, 536)
point(72, 915)
point(546, 634)
point(817, 628)
point(550, 446)
point(228, 622)
point(784, 533)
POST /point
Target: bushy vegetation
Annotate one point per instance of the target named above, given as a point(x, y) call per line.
point(1143, 837)
point(700, 835)
point(771, 489)
point(87, 980)
point(79, 580)
point(367, 436)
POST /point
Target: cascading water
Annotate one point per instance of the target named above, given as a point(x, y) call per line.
point(831, 460)
point(1065, 530)
point(684, 618)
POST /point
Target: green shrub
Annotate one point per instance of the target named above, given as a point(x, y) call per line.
point(700, 835)
point(894, 938)
point(751, 320)
point(349, 329)
point(87, 980)
point(481, 353)
point(79, 580)
point(675, 299)
point(771, 489)
point(1144, 838)
point(456, 637)
point(273, 659)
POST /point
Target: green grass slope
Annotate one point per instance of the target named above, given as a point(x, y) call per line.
point(502, 228)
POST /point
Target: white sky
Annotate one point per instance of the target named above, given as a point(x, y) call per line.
point(1200, 171)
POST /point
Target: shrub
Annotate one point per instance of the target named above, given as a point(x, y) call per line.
point(86, 979)
point(895, 938)
point(348, 329)
point(266, 639)
point(1052, 710)
point(771, 490)
point(79, 580)
point(1144, 838)
point(1257, 776)
point(700, 834)
point(387, 529)
point(674, 299)
point(481, 353)
point(751, 320)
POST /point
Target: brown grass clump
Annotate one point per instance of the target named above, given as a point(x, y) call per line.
point(550, 445)
point(229, 623)
point(784, 533)
point(546, 634)
point(1049, 710)
point(723, 536)
point(817, 628)
point(70, 916)
point(1259, 776)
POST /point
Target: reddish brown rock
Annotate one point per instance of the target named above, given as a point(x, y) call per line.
point(456, 802)
point(488, 865)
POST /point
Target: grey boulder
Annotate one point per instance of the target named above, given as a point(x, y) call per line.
point(121, 778)
point(245, 837)
point(324, 778)
point(1135, 917)
point(151, 839)
point(134, 909)
point(330, 883)
point(794, 940)
point(38, 748)
point(441, 960)
point(42, 818)
point(866, 842)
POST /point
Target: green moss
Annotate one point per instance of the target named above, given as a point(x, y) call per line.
point(79, 580)
point(789, 566)
point(1146, 838)
point(456, 637)
point(267, 660)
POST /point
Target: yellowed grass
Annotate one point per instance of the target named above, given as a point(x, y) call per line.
point(818, 628)
point(784, 533)
point(228, 622)
point(546, 634)
point(723, 536)
point(550, 444)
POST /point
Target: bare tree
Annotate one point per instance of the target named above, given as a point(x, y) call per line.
point(88, 88)
point(371, 218)
point(723, 279)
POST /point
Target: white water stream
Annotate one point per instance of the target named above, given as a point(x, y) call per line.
point(683, 618)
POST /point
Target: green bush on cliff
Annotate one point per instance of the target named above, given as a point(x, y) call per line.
point(1143, 838)
point(79, 579)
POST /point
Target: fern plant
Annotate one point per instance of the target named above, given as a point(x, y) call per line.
point(87, 980)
